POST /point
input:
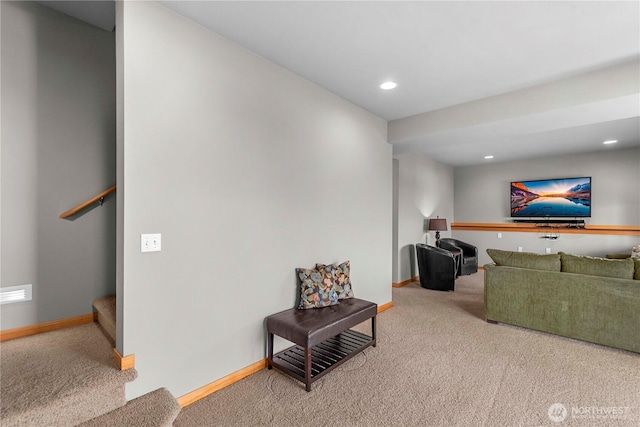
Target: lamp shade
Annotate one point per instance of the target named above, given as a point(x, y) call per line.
point(438, 224)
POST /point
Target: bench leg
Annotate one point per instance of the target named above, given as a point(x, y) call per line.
point(307, 368)
point(373, 330)
point(270, 350)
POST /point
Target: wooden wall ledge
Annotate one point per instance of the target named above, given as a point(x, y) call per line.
point(623, 230)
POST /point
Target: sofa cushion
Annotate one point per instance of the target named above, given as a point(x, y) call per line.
point(592, 266)
point(550, 262)
point(636, 269)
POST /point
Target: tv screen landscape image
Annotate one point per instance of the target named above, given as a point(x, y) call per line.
point(546, 198)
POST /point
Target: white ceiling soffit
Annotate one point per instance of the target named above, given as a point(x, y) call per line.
point(518, 139)
point(574, 114)
point(100, 13)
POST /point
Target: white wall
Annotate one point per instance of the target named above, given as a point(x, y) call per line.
point(248, 171)
point(482, 196)
point(58, 150)
point(425, 190)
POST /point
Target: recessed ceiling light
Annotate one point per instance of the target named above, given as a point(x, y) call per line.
point(388, 85)
point(611, 141)
point(488, 157)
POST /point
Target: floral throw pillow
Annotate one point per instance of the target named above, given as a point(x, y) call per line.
point(340, 276)
point(316, 289)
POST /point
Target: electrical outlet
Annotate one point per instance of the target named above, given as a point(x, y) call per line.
point(150, 242)
point(547, 250)
point(499, 235)
point(519, 248)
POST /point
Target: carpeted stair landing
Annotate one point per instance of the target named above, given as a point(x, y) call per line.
point(156, 409)
point(60, 378)
point(68, 377)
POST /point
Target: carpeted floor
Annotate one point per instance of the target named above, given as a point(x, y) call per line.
point(438, 363)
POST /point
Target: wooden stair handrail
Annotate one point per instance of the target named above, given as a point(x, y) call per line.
point(88, 203)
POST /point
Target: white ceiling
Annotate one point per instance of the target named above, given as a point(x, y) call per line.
point(444, 54)
point(101, 13)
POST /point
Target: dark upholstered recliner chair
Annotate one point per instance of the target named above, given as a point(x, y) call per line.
point(437, 268)
point(469, 261)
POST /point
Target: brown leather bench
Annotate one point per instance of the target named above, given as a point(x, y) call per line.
point(324, 340)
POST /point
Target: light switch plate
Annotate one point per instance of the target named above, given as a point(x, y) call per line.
point(151, 242)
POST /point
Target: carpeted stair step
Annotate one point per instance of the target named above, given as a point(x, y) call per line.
point(60, 378)
point(156, 409)
point(106, 308)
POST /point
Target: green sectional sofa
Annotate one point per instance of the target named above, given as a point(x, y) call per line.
point(586, 298)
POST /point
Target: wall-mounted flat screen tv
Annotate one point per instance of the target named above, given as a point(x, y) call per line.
point(546, 198)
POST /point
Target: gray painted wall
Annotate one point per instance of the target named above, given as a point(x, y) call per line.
point(482, 195)
point(248, 171)
point(425, 190)
point(58, 149)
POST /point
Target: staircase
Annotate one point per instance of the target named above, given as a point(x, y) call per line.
point(106, 309)
point(156, 409)
point(67, 378)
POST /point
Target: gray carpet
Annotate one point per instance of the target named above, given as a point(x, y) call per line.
point(59, 378)
point(438, 363)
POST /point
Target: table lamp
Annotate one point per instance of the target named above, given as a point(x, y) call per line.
point(438, 224)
